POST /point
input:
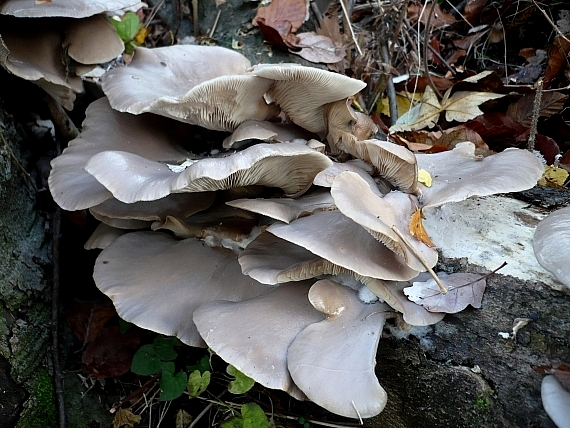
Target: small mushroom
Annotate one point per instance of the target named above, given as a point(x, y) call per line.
point(103, 236)
point(267, 131)
point(131, 178)
point(551, 244)
point(303, 92)
point(157, 282)
point(254, 335)
point(333, 361)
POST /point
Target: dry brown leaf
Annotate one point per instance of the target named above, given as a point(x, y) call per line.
point(284, 16)
point(558, 59)
point(317, 48)
point(440, 18)
point(125, 418)
point(417, 228)
point(463, 289)
point(183, 419)
point(473, 9)
point(550, 103)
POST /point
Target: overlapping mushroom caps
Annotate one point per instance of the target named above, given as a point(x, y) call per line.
point(261, 309)
point(33, 46)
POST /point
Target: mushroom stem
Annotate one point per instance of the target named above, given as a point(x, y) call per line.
point(442, 287)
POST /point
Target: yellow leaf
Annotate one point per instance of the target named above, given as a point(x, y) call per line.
point(417, 228)
point(141, 35)
point(553, 177)
point(404, 101)
point(424, 177)
point(125, 418)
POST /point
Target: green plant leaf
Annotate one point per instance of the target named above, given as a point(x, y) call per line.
point(172, 385)
point(202, 366)
point(128, 27)
point(145, 361)
point(233, 422)
point(124, 326)
point(167, 367)
point(164, 348)
point(241, 384)
point(253, 416)
point(198, 382)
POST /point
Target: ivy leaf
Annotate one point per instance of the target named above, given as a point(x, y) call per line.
point(202, 366)
point(164, 348)
point(241, 384)
point(252, 416)
point(145, 361)
point(172, 385)
point(198, 382)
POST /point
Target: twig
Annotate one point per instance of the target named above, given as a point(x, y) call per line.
point(421, 259)
point(349, 24)
point(64, 126)
point(560, 33)
point(203, 412)
point(427, 31)
point(535, 114)
point(390, 88)
point(432, 50)
point(135, 393)
point(459, 13)
point(211, 33)
point(57, 375)
point(195, 18)
point(17, 162)
point(151, 16)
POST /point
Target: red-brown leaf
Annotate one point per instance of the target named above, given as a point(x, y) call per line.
point(558, 59)
point(522, 110)
point(285, 16)
point(87, 319)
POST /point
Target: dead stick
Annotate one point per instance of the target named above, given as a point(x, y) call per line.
point(535, 114)
point(423, 261)
point(427, 31)
point(195, 18)
point(390, 88)
point(349, 24)
point(211, 34)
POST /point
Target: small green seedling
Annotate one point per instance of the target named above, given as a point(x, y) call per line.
point(241, 384)
point(252, 416)
point(129, 28)
point(198, 382)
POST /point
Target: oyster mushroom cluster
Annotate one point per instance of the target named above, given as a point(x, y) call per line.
point(247, 250)
point(54, 43)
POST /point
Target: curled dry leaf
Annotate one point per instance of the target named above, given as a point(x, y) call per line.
point(417, 228)
point(283, 16)
point(317, 48)
point(463, 289)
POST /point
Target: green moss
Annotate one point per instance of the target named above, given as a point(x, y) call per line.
point(39, 410)
point(482, 403)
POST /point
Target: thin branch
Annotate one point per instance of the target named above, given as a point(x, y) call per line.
point(195, 18)
point(349, 24)
point(421, 259)
point(535, 114)
point(390, 88)
point(213, 30)
point(427, 31)
point(560, 33)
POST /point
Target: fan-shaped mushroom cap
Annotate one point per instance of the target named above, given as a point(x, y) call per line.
point(132, 178)
point(157, 282)
point(267, 131)
point(150, 136)
point(254, 335)
point(556, 401)
point(287, 209)
point(121, 223)
point(333, 361)
point(302, 92)
point(393, 162)
point(32, 51)
point(356, 200)
point(92, 40)
point(551, 244)
point(201, 85)
point(458, 174)
point(272, 260)
point(179, 205)
point(336, 238)
point(66, 8)
point(345, 126)
point(103, 236)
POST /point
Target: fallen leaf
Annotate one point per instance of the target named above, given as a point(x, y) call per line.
point(439, 19)
point(417, 228)
point(522, 110)
point(463, 289)
point(496, 128)
point(553, 177)
point(317, 48)
point(424, 177)
point(110, 353)
point(284, 16)
point(87, 319)
point(125, 418)
point(461, 106)
point(558, 59)
point(183, 419)
point(545, 145)
point(404, 101)
point(472, 11)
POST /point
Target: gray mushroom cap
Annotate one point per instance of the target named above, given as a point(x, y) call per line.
point(556, 401)
point(551, 244)
point(65, 8)
point(157, 282)
point(302, 92)
point(336, 238)
point(254, 335)
point(149, 136)
point(333, 361)
point(267, 131)
point(131, 178)
point(458, 174)
point(201, 85)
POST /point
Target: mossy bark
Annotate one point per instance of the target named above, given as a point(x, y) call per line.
point(24, 290)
